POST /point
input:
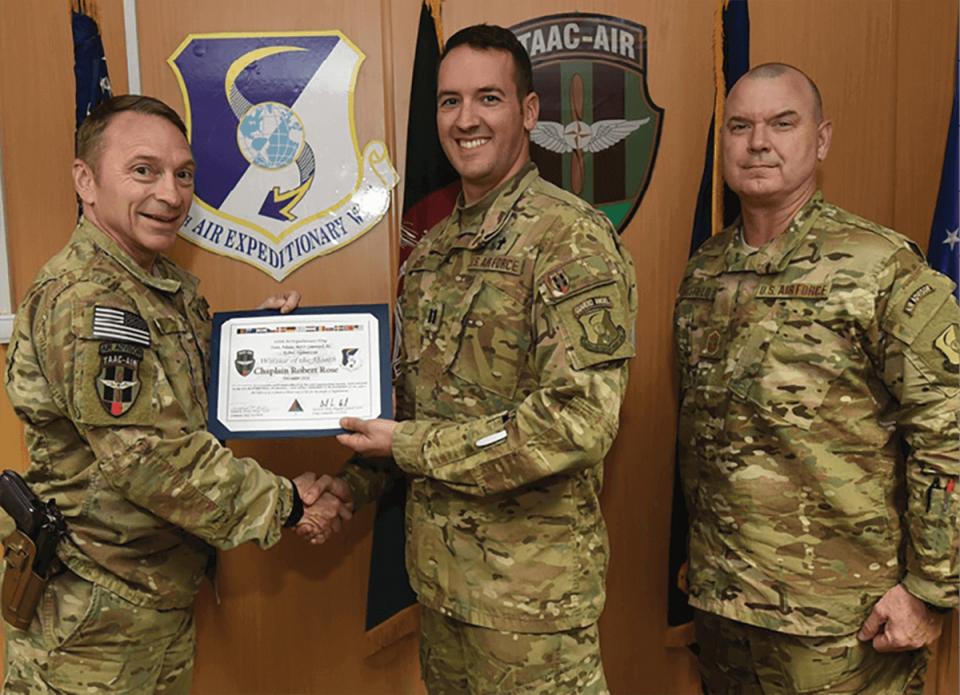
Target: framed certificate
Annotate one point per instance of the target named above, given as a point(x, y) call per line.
point(295, 375)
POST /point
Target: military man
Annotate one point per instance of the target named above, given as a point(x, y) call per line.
point(517, 323)
point(812, 343)
point(107, 369)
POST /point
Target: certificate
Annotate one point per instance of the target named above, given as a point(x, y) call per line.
point(295, 375)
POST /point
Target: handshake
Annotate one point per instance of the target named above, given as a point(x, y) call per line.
point(327, 503)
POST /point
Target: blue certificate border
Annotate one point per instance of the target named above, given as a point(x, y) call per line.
point(379, 311)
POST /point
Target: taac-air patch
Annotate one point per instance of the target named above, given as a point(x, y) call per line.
point(600, 333)
point(949, 344)
point(118, 383)
point(244, 362)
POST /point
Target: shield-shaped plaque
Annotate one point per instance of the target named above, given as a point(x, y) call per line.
point(599, 129)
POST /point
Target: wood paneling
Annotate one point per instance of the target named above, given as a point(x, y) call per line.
point(290, 619)
point(926, 34)
point(36, 134)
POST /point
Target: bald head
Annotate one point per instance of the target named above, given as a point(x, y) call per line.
point(769, 71)
point(773, 136)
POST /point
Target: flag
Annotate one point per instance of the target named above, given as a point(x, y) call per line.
point(717, 207)
point(431, 185)
point(944, 249)
point(89, 62)
point(430, 191)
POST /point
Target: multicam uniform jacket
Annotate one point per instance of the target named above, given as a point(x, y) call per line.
point(107, 368)
point(802, 365)
point(517, 322)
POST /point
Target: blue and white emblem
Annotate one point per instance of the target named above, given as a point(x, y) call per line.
point(263, 111)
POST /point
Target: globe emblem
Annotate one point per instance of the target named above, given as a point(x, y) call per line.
point(270, 135)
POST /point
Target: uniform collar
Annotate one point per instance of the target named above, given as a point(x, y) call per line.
point(774, 256)
point(164, 281)
point(483, 220)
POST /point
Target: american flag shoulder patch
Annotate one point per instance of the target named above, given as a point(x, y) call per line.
point(121, 325)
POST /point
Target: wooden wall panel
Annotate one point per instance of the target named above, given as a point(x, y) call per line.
point(36, 134)
point(849, 49)
point(14, 450)
point(290, 619)
point(926, 45)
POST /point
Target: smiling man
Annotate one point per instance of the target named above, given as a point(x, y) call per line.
point(812, 345)
point(107, 369)
point(518, 319)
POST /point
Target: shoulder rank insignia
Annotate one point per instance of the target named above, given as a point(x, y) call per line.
point(600, 333)
point(118, 383)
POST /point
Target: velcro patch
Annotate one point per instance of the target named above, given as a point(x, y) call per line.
point(949, 344)
point(794, 290)
point(500, 264)
point(712, 342)
point(118, 324)
point(118, 383)
point(591, 304)
point(919, 293)
point(600, 333)
point(707, 292)
point(574, 277)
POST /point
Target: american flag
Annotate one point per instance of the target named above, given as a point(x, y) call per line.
point(117, 324)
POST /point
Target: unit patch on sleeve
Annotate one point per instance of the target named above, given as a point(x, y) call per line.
point(117, 324)
point(600, 333)
point(118, 383)
point(948, 343)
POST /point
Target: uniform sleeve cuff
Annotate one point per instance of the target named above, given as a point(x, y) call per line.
point(408, 446)
point(939, 594)
point(296, 510)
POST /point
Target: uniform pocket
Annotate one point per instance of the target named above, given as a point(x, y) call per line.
point(788, 372)
point(494, 341)
point(68, 606)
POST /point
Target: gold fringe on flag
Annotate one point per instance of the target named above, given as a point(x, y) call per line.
point(436, 11)
point(720, 91)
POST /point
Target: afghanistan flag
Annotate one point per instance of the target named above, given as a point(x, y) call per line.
point(944, 250)
point(717, 207)
point(430, 192)
point(431, 185)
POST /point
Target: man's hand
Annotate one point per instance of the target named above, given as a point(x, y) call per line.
point(325, 516)
point(310, 488)
point(285, 302)
point(368, 437)
point(900, 622)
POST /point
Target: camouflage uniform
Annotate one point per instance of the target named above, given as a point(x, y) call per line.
point(517, 322)
point(800, 365)
point(115, 414)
